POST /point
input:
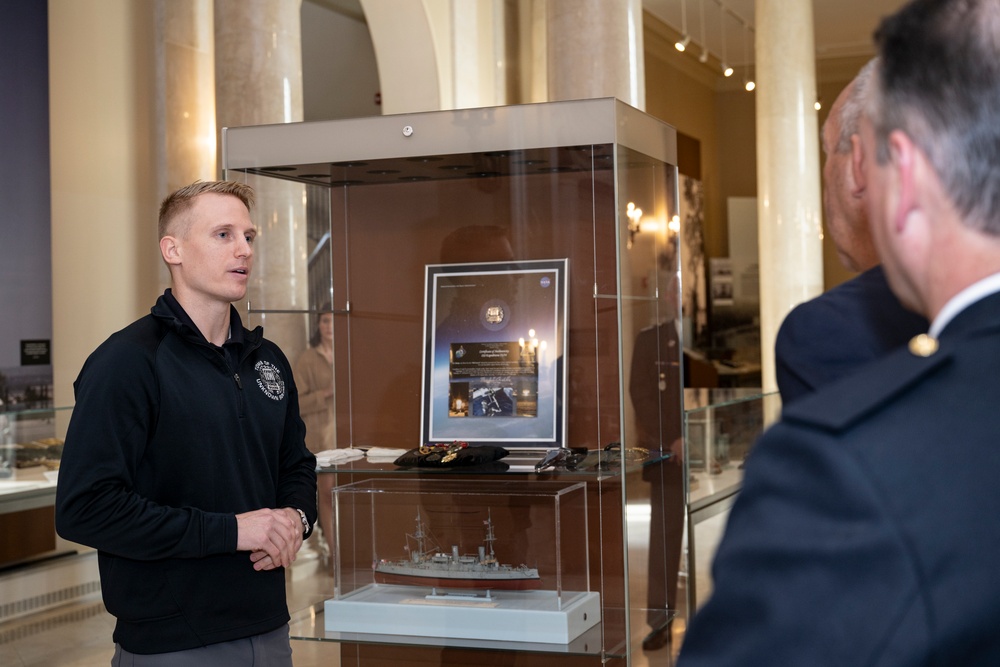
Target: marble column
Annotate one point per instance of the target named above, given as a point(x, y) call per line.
point(594, 49)
point(479, 68)
point(413, 58)
point(789, 209)
point(185, 66)
point(258, 80)
point(457, 54)
point(186, 69)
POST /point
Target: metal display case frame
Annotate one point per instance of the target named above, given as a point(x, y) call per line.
point(350, 213)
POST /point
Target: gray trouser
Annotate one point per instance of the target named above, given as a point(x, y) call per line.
point(271, 649)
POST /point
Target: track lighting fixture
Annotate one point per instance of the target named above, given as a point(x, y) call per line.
point(704, 54)
point(748, 81)
point(703, 58)
point(682, 43)
point(727, 71)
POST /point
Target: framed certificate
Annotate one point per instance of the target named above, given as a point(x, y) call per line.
point(494, 357)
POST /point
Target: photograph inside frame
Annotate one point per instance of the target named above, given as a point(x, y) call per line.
point(495, 341)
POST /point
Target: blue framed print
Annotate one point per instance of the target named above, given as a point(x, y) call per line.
point(495, 345)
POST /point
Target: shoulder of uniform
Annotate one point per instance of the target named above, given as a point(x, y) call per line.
point(843, 297)
point(841, 404)
point(831, 309)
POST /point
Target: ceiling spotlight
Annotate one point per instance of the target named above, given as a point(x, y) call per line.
point(703, 58)
point(747, 79)
point(818, 105)
point(726, 69)
point(681, 44)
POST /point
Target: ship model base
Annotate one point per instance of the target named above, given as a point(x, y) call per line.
point(542, 617)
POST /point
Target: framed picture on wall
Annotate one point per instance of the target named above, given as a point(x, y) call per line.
point(494, 352)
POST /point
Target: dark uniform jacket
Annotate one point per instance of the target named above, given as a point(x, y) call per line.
point(170, 438)
point(839, 331)
point(866, 531)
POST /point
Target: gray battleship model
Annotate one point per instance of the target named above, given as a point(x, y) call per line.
point(428, 567)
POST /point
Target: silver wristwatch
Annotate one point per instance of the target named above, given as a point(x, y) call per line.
point(305, 522)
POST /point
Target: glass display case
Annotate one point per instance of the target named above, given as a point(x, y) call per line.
point(359, 218)
point(501, 560)
point(720, 428)
point(29, 461)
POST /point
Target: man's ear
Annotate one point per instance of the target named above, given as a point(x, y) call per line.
point(902, 159)
point(170, 250)
point(858, 166)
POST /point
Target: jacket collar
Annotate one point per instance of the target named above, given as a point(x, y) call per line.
point(982, 316)
point(169, 311)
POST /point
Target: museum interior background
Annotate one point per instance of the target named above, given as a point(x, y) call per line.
point(110, 104)
point(131, 89)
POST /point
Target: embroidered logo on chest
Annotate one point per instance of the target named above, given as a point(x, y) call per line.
point(269, 380)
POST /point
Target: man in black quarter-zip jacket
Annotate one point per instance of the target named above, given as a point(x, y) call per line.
point(185, 462)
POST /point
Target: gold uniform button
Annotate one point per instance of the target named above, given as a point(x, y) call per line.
point(923, 345)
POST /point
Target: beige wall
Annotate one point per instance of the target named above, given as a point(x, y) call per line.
point(101, 106)
point(682, 92)
point(721, 115)
point(736, 153)
point(687, 103)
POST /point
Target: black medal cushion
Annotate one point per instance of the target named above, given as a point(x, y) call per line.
point(436, 457)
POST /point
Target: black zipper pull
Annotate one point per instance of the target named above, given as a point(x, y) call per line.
point(239, 383)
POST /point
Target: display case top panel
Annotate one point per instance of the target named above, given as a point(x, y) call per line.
point(448, 167)
point(435, 145)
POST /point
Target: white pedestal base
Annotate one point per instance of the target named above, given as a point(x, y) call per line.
point(522, 616)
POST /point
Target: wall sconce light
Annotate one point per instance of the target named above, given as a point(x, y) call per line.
point(634, 214)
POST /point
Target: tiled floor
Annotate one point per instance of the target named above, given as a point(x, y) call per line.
point(79, 634)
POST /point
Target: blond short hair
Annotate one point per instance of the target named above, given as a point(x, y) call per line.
point(178, 202)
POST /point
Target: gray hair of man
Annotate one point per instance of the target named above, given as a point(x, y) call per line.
point(939, 83)
point(855, 105)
